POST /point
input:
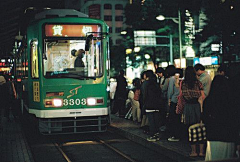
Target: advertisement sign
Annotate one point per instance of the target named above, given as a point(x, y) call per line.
point(196, 61)
point(214, 60)
point(144, 38)
point(206, 60)
point(60, 30)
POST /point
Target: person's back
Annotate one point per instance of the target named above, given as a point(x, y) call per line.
point(153, 96)
point(121, 87)
point(78, 62)
point(173, 89)
point(120, 94)
point(220, 119)
point(153, 104)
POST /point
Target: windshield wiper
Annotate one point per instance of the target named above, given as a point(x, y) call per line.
point(71, 75)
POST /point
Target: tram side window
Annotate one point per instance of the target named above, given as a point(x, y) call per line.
point(34, 59)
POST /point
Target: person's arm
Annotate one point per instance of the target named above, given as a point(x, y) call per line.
point(203, 95)
point(165, 85)
point(14, 90)
point(209, 81)
point(206, 81)
point(170, 89)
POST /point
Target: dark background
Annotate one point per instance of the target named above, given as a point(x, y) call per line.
point(13, 19)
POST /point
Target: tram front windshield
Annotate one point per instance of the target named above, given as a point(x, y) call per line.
point(68, 58)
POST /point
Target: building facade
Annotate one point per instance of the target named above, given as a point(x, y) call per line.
point(111, 11)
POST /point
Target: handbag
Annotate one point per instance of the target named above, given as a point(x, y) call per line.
point(197, 132)
point(181, 101)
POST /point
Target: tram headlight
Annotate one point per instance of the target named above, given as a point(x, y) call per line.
point(95, 101)
point(56, 102)
point(91, 101)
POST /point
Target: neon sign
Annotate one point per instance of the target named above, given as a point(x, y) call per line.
point(60, 30)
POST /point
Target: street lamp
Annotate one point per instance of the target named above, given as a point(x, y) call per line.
point(178, 21)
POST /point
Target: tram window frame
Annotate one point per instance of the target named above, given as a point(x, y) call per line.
point(34, 58)
point(101, 58)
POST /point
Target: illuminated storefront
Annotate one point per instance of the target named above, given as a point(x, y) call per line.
point(6, 65)
point(210, 63)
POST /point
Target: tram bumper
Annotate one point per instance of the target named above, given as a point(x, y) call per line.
point(72, 120)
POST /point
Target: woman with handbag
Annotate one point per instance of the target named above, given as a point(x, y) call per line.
point(221, 121)
point(192, 90)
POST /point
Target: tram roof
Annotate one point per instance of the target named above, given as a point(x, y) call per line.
point(59, 13)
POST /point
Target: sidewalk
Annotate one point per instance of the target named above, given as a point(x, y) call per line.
point(13, 145)
point(178, 151)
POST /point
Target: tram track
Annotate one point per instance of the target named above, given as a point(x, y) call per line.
point(60, 148)
point(117, 151)
point(62, 153)
point(90, 147)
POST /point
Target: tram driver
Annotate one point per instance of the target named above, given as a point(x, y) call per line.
point(79, 54)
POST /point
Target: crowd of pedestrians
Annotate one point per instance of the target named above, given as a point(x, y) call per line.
point(155, 103)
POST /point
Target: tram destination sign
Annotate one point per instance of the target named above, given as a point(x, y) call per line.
point(69, 30)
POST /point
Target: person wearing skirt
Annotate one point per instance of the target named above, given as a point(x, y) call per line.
point(192, 91)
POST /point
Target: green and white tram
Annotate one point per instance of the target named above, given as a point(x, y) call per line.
point(62, 95)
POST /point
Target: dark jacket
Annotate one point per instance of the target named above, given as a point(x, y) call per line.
point(121, 89)
point(220, 120)
point(78, 62)
point(152, 95)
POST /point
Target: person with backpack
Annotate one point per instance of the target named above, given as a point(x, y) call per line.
point(133, 96)
point(152, 103)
